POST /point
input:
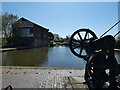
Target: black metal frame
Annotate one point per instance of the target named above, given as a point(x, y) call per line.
point(101, 64)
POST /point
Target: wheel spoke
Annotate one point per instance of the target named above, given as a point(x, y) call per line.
point(76, 41)
point(79, 42)
point(76, 46)
point(81, 50)
point(85, 35)
point(88, 35)
point(79, 35)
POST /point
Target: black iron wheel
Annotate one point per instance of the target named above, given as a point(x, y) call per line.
point(103, 69)
point(90, 67)
point(79, 42)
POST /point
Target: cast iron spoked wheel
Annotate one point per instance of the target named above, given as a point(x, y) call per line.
point(79, 42)
point(90, 68)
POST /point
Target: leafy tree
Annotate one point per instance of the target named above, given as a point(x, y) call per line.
point(50, 36)
point(67, 38)
point(56, 37)
point(7, 28)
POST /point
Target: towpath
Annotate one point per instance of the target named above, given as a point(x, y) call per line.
point(37, 77)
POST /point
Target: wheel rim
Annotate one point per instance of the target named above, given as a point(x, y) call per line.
point(79, 41)
point(90, 67)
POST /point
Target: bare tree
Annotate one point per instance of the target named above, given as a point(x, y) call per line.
point(7, 28)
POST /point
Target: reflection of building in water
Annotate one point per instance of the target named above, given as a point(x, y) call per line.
point(28, 57)
point(31, 34)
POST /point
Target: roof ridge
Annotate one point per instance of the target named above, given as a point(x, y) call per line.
point(32, 22)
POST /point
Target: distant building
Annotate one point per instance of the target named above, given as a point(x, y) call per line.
point(31, 34)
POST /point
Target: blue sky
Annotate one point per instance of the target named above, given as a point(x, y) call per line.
point(64, 18)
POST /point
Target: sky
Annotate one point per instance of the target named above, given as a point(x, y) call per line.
point(64, 18)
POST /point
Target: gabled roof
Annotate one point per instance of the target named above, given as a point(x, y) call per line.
point(24, 19)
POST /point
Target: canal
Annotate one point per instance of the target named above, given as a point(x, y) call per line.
point(58, 56)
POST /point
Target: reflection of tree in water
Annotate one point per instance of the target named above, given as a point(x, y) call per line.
point(27, 57)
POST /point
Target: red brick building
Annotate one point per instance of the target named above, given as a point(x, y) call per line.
point(31, 34)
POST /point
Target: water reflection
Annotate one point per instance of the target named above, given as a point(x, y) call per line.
point(61, 56)
point(28, 57)
point(58, 56)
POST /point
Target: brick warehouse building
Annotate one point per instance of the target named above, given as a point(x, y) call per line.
point(30, 34)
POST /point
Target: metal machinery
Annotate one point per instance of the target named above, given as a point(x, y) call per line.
point(101, 68)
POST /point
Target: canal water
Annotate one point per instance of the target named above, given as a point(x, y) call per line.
point(57, 56)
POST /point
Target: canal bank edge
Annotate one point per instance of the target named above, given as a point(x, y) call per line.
point(22, 48)
point(18, 48)
point(32, 67)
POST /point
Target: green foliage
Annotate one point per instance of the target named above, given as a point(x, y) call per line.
point(56, 37)
point(67, 38)
point(50, 36)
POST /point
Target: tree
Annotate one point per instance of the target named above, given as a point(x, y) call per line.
point(7, 22)
point(67, 38)
point(56, 37)
point(7, 28)
point(50, 36)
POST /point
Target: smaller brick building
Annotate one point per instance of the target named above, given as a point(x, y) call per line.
point(31, 34)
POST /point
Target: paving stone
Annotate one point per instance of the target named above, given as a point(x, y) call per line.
point(76, 80)
point(67, 83)
point(80, 86)
point(27, 77)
